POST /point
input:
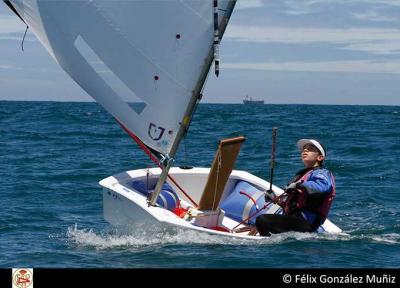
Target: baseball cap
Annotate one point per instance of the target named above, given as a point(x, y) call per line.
point(302, 142)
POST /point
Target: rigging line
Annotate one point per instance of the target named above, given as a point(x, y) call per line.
point(154, 159)
point(8, 3)
point(147, 179)
point(23, 39)
point(185, 149)
point(216, 180)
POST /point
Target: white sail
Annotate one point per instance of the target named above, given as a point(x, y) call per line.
point(120, 52)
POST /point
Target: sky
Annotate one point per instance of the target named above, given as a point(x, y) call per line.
point(344, 52)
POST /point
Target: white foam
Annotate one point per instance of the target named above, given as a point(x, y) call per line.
point(140, 237)
point(156, 236)
point(391, 238)
point(143, 237)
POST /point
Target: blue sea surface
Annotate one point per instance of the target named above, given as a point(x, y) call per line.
point(52, 156)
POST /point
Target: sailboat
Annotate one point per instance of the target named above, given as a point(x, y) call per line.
point(146, 63)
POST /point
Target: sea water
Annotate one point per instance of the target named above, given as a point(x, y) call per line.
point(52, 156)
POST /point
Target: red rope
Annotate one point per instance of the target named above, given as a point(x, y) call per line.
point(154, 159)
point(276, 200)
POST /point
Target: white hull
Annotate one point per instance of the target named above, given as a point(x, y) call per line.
point(124, 206)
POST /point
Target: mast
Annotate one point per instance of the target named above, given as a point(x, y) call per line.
point(167, 160)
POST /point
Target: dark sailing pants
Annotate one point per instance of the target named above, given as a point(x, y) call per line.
point(276, 223)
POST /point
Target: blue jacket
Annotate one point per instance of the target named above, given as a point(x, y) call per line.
point(316, 191)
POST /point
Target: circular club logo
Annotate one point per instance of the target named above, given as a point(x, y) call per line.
point(22, 278)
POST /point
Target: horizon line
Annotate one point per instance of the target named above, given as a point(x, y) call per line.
point(216, 103)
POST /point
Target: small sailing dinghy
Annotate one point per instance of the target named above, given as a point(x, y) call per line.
point(146, 63)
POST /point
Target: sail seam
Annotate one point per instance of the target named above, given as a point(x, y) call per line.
point(195, 12)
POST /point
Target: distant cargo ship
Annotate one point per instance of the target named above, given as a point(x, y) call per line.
point(250, 100)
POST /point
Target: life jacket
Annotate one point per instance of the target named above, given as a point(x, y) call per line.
point(298, 201)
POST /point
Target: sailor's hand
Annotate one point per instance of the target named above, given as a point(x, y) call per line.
point(292, 187)
point(268, 194)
